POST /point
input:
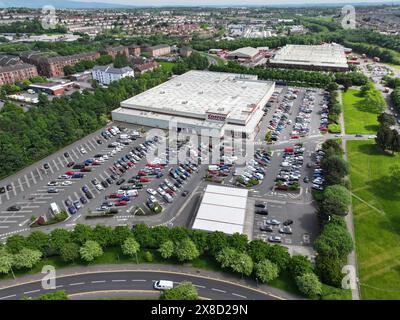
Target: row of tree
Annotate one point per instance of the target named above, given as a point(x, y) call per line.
point(34, 26)
point(373, 100)
point(334, 242)
point(26, 137)
point(234, 253)
point(195, 61)
point(387, 138)
point(334, 106)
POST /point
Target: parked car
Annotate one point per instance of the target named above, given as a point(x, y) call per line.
point(273, 222)
point(14, 208)
point(266, 228)
point(275, 239)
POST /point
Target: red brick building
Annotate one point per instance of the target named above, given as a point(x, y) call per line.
point(134, 50)
point(18, 72)
point(114, 51)
point(158, 50)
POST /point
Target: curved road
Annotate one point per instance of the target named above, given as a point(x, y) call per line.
point(135, 283)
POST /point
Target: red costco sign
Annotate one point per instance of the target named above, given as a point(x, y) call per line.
point(216, 117)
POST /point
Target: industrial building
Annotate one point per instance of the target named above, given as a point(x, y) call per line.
point(222, 209)
point(328, 57)
point(224, 104)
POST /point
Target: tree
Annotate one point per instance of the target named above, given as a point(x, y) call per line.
point(309, 284)
point(299, 265)
point(26, 258)
point(58, 295)
point(15, 243)
point(386, 119)
point(334, 241)
point(38, 240)
point(6, 261)
point(183, 291)
point(58, 238)
point(102, 234)
point(238, 242)
point(329, 269)
point(120, 61)
point(104, 60)
point(279, 255)
point(336, 200)
point(266, 271)
point(186, 250)
point(199, 237)
point(69, 252)
point(332, 147)
point(167, 249)
point(142, 233)
point(384, 137)
point(82, 233)
point(242, 264)
point(90, 251)
point(335, 168)
point(131, 247)
point(160, 234)
point(226, 257)
point(258, 250)
point(120, 234)
point(217, 241)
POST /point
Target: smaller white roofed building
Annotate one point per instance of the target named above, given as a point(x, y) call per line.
point(222, 209)
point(327, 57)
point(107, 74)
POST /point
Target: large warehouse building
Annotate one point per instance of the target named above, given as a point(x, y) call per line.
point(222, 209)
point(329, 57)
point(228, 104)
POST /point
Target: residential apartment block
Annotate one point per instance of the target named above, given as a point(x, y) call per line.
point(108, 74)
point(18, 72)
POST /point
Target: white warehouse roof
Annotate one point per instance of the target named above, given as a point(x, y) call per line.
point(222, 209)
point(246, 52)
point(326, 55)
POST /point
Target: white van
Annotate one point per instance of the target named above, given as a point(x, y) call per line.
point(123, 136)
point(163, 285)
point(131, 193)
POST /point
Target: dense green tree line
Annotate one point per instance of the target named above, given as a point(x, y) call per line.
point(195, 62)
point(334, 243)
point(26, 137)
point(293, 76)
point(235, 253)
point(34, 26)
point(386, 137)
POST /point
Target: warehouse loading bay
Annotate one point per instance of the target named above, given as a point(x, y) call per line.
point(28, 189)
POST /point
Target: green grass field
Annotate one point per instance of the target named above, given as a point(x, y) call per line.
point(166, 65)
point(357, 120)
point(377, 228)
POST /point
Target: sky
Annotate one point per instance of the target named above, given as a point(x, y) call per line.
point(227, 2)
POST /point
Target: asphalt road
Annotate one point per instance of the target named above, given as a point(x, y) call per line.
point(139, 281)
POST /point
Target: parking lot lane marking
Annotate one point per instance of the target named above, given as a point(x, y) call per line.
point(27, 181)
point(55, 164)
point(218, 290)
point(77, 284)
point(33, 178)
point(39, 174)
point(8, 195)
point(61, 163)
point(75, 155)
point(14, 191)
point(98, 281)
point(92, 144)
point(239, 295)
point(4, 227)
point(120, 280)
point(77, 218)
point(20, 185)
point(6, 297)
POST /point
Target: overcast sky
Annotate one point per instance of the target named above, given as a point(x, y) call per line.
point(226, 2)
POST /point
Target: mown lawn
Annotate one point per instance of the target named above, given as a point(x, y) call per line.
point(357, 119)
point(166, 65)
point(377, 231)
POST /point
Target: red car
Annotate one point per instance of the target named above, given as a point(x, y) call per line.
point(295, 137)
point(129, 163)
point(170, 192)
point(86, 169)
point(142, 174)
point(144, 180)
point(96, 163)
point(223, 174)
point(121, 203)
point(70, 173)
point(113, 195)
point(213, 172)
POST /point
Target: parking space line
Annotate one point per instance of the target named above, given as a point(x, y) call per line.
point(51, 169)
point(73, 151)
point(15, 191)
point(55, 164)
point(27, 181)
point(40, 176)
point(33, 178)
point(61, 163)
point(8, 195)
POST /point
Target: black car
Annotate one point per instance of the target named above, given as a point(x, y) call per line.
point(266, 228)
point(114, 177)
point(46, 166)
point(260, 205)
point(89, 195)
point(70, 164)
point(185, 193)
point(306, 180)
point(66, 154)
point(99, 141)
point(83, 200)
point(9, 187)
point(262, 212)
point(178, 185)
point(109, 181)
point(68, 203)
point(14, 208)
point(287, 222)
point(104, 184)
point(2, 190)
point(120, 181)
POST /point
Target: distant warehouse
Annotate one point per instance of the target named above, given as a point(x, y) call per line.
point(222, 103)
point(327, 57)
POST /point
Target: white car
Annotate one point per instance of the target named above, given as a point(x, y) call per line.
point(83, 151)
point(99, 187)
point(151, 191)
point(64, 176)
point(372, 137)
point(161, 191)
point(66, 183)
